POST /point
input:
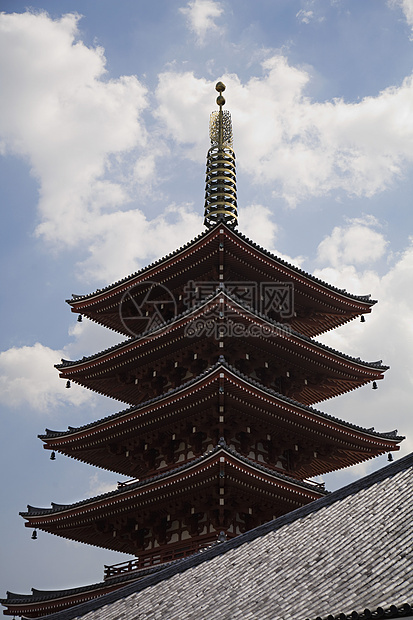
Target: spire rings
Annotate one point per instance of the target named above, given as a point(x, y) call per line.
point(220, 186)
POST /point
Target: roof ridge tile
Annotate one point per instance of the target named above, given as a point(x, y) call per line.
point(403, 465)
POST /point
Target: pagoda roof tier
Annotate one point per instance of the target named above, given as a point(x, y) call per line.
point(350, 550)
point(295, 365)
point(219, 491)
point(222, 256)
point(43, 602)
point(250, 413)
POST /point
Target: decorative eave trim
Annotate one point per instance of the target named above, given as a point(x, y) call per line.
point(247, 313)
point(236, 542)
point(300, 274)
point(40, 598)
point(197, 383)
point(37, 516)
point(79, 301)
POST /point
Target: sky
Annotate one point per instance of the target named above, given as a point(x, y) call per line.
point(104, 111)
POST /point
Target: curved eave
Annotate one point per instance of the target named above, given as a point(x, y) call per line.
point(80, 302)
point(298, 275)
point(86, 443)
point(171, 337)
point(205, 470)
point(291, 270)
point(44, 602)
point(96, 305)
point(275, 329)
point(323, 323)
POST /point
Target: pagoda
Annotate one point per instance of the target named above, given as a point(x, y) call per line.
point(221, 374)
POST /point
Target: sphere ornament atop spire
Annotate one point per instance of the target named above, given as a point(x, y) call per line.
point(220, 189)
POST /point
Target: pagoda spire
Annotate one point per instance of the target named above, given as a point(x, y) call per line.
point(220, 187)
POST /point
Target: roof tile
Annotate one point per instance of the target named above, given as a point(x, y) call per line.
point(348, 551)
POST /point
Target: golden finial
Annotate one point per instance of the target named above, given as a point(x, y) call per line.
point(220, 87)
point(220, 126)
point(220, 190)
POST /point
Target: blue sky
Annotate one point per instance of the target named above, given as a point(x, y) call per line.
point(104, 110)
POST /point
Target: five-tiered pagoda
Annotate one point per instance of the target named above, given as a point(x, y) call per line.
point(220, 372)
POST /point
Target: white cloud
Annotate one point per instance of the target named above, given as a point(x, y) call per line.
point(305, 16)
point(124, 240)
point(407, 8)
point(98, 486)
point(310, 12)
point(88, 146)
point(70, 122)
point(201, 16)
point(88, 337)
point(256, 222)
point(28, 379)
point(387, 334)
point(355, 244)
point(185, 119)
point(284, 139)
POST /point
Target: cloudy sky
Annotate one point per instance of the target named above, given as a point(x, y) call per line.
point(104, 109)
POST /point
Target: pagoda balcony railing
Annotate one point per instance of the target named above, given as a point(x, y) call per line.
point(154, 558)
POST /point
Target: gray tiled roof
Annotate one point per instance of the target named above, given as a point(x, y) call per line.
point(47, 595)
point(347, 552)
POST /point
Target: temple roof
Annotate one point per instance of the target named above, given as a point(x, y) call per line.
point(344, 372)
point(365, 299)
point(213, 369)
point(125, 489)
point(280, 328)
point(220, 482)
point(83, 442)
point(49, 601)
point(354, 555)
point(332, 306)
